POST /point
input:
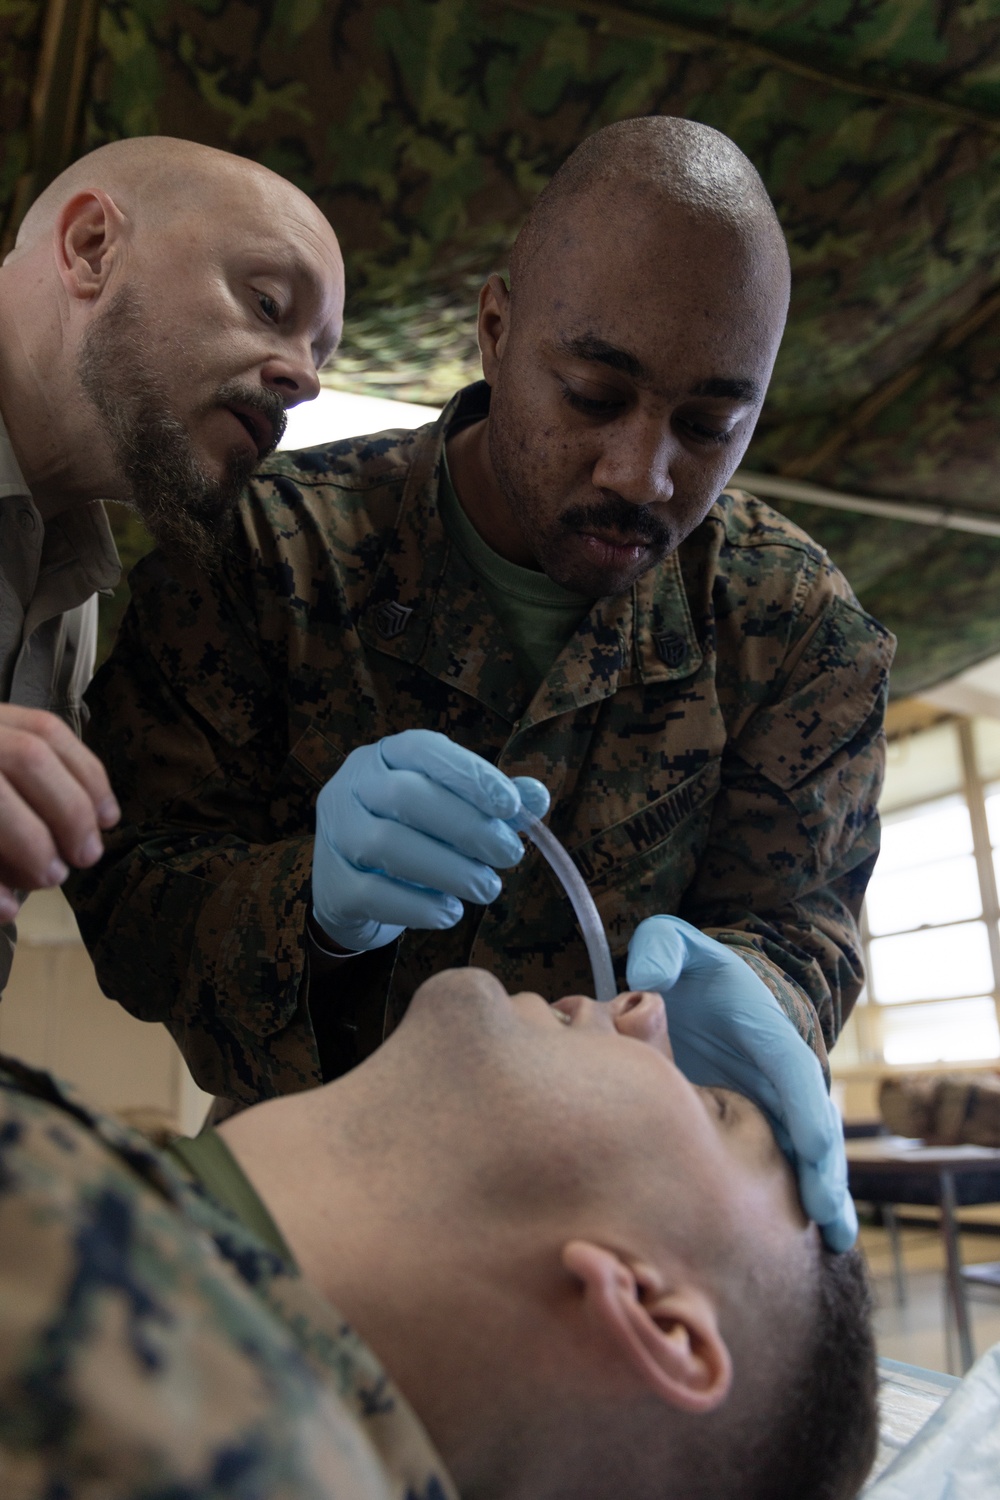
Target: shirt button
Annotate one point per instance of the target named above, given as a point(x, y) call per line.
point(26, 521)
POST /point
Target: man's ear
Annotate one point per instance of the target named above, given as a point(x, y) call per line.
point(88, 234)
point(668, 1335)
point(494, 320)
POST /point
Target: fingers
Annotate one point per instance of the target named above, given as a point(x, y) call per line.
point(468, 775)
point(370, 895)
point(841, 1233)
point(405, 854)
point(656, 954)
point(10, 904)
point(407, 800)
point(534, 795)
point(54, 800)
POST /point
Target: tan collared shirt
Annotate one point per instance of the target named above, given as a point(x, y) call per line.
point(50, 574)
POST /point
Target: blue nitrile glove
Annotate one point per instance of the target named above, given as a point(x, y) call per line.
point(728, 1030)
point(407, 830)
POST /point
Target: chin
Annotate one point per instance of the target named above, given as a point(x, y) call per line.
point(592, 582)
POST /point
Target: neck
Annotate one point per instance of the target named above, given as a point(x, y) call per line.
point(479, 493)
point(54, 430)
point(451, 1314)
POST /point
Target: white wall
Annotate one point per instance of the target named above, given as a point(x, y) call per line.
point(54, 1016)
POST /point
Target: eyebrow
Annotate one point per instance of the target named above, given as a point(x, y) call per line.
point(598, 351)
point(587, 346)
point(731, 389)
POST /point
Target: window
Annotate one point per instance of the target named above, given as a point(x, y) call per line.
point(930, 920)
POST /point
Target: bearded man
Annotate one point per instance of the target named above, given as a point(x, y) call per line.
point(163, 305)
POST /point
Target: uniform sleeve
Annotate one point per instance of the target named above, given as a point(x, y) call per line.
point(196, 915)
point(134, 1360)
point(795, 830)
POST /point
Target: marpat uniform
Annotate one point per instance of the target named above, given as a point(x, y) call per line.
point(712, 742)
point(152, 1345)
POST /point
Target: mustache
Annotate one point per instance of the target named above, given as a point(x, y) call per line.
point(268, 403)
point(633, 522)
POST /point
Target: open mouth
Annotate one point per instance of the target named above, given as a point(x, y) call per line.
point(257, 426)
point(615, 542)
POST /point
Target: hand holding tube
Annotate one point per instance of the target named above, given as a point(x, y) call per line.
point(406, 831)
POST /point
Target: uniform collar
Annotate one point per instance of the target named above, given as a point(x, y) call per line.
point(648, 631)
point(401, 605)
point(81, 536)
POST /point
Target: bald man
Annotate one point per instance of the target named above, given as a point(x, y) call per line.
point(162, 307)
point(548, 592)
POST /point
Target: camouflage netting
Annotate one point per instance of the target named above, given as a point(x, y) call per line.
point(425, 127)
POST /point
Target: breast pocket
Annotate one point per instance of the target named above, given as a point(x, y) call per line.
point(634, 868)
point(313, 759)
point(643, 864)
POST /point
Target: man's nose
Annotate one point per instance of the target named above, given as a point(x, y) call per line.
point(635, 463)
point(640, 1014)
point(291, 373)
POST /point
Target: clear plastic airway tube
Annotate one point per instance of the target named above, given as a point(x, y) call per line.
point(582, 902)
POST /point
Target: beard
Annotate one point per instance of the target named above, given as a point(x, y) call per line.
point(185, 508)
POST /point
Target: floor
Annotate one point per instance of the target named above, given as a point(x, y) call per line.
point(915, 1333)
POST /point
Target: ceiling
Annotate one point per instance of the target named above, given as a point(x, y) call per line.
point(425, 127)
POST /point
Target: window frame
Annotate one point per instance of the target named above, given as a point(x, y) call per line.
point(868, 1012)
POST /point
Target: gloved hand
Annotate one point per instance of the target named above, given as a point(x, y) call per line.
point(728, 1030)
point(407, 830)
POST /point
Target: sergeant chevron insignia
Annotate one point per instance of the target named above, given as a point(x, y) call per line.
point(391, 618)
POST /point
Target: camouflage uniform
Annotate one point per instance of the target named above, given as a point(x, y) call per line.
point(712, 742)
point(150, 1345)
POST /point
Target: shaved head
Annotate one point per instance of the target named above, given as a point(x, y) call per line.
point(170, 303)
point(151, 179)
point(658, 163)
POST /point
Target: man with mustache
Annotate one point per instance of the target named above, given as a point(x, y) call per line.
point(162, 306)
point(549, 585)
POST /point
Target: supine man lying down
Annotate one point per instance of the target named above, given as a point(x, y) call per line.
point(514, 1253)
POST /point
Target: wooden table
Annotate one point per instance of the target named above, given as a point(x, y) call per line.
point(891, 1169)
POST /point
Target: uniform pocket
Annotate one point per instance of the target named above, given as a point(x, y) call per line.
point(312, 760)
point(315, 757)
point(640, 837)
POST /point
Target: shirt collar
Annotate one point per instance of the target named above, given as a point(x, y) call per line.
point(78, 537)
point(12, 481)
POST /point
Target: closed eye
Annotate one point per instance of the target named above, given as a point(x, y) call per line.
point(589, 405)
point(706, 434)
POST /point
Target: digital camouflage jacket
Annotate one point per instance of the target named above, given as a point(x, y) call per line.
point(712, 742)
point(150, 1345)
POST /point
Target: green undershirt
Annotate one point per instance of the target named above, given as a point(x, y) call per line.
point(538, 616)
point(210, 1162)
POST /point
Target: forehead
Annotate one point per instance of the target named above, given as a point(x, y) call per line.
point(668, 288)
point(241, 214)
